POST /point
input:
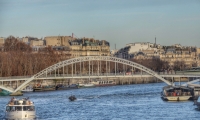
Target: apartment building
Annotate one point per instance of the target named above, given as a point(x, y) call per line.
point(57, 40)
point(2, 40)
point(89, 47)
point(187, 54)
point(79, 46)
point(131, 50)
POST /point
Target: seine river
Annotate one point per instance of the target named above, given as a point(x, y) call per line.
point(125, 102)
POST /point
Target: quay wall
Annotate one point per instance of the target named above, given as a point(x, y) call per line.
point(117, 80)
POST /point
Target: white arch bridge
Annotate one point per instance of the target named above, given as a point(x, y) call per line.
point(95, 66)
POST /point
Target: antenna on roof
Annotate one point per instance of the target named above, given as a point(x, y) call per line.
point(73, 35)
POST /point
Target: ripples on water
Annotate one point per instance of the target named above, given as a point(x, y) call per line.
point(127, 102)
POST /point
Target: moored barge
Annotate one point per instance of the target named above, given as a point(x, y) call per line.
point(176, 93)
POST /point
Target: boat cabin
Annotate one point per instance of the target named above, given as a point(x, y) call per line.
point(20, 109)
point(177, 91)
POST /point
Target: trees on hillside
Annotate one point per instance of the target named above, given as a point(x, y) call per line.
point(154, 64)
point(18, 59)
point(179, 65)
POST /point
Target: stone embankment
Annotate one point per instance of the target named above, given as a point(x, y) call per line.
point(118, 81)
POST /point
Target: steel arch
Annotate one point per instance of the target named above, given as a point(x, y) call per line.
point(7, 88)
point(90, 58)
point(193, 81)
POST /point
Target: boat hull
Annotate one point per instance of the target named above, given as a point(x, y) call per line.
point(66, 88)
point(42, 89)
point(73, 86)
point(104, 85)
point(86, 85)
point(176, 98)
point(4, 92)
point(16, 115)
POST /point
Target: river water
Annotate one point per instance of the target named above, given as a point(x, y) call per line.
point(124, 102)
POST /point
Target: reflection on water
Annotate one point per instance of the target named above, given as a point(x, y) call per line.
point(128, 102)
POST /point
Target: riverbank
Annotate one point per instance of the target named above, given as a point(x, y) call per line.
point(115, 80)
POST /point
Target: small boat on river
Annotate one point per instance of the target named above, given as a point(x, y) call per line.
point(43, 88)
point(82, 85)
point(101, 83)
point(176, 93)
point(39, 87)
point(20, 109)
point(28, 89)
point(72, 98)
point(4, 92)
point(66, 87)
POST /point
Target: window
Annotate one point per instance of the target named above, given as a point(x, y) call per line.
point(28, 108)
point(13, 108)
point(8, 108)
point(18, 108)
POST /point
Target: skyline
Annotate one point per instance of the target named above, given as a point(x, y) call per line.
point(170, 21)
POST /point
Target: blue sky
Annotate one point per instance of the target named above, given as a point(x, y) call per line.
point(118, 21)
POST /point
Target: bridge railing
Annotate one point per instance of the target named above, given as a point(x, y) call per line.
point(93, 74)
point(97, 74)
point(14, 77)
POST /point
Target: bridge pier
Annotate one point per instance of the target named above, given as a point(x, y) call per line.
point(135, 80)
point(18, 93)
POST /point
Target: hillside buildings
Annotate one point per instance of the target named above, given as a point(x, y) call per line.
point(69, 46)
point(79, 46)
point(57, 40)
point(172, 54)
point(89, 47)
point(133, 50)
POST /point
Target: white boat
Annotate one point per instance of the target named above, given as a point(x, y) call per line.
point(20, 109)
point(80, 85)
point(103, 82)
point(28, 89)
point(176, 93)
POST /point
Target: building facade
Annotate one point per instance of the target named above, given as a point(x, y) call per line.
point(171, 54)
point(79, 46)
point(188, 55)
point(2, 41)
point(36, 43)
point(57, 40)
point(89, 47)
point(198, 56)
point(131, 50)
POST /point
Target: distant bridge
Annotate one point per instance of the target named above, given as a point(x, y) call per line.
point(94, 70)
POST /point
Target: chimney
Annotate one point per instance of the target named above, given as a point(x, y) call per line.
point(72, 35)
point(103, 42)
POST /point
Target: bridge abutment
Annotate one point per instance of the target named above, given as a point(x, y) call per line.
point(18, 93)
